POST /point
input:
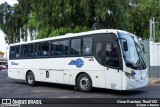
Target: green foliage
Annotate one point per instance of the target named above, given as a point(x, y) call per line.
point(61, 31)
point(48, 18)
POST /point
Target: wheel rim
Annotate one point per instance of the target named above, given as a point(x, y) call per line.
point(30, 79)
point(84, 82)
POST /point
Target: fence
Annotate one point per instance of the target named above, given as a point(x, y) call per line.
point(152, 54)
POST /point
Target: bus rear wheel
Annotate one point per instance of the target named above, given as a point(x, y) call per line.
point(30, 79)
point(84, 83)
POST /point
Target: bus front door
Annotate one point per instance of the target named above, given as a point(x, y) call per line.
point(113, 74)
point(107, 53)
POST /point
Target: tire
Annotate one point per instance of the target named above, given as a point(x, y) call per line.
point(30, 79)
point(84, 83)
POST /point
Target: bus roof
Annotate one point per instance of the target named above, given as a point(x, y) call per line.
point(68, 35)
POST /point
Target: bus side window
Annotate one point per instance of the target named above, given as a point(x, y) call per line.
point(37, 52)
point(30, 51)
point(98, 52)
point(87, 45)
point(45, 49)
point(75, 47)
point(54, 48)
point(63, 47)
point(24, 51)
point(12, 52)
point(17, 51)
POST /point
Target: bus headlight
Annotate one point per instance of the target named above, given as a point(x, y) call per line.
point(129, 75)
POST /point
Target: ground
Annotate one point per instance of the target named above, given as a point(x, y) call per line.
point(10, 88)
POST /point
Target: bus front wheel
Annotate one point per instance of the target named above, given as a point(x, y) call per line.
point(84, 83)
point(30, 79)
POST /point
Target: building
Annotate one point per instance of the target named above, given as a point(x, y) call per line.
point(1, 55)
point(3, 61)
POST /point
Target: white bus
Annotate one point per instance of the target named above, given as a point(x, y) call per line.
point(106, 58)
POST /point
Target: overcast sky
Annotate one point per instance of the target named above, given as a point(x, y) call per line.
point(3, 45)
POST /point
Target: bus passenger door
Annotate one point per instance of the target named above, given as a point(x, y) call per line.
point(108, 58)
point(111, 61)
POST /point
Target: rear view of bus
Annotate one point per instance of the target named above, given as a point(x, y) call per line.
point(135, 69)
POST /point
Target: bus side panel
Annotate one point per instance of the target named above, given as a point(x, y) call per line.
point(98, 78)
point(15, 73)
point(73, 74)
point(59, 76)
point(66, 76)
point(53, 76)
point(36, 73)
point(12, 73)
point(20, 73)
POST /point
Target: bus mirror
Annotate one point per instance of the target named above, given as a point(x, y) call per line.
point(125, 46)
point(142, 46)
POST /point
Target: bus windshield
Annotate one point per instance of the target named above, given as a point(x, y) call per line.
point(134, 56)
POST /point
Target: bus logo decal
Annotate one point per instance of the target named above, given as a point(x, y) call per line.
point(78, 62)
point(14, 63)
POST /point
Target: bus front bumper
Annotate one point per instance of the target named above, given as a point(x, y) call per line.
point(134, 84)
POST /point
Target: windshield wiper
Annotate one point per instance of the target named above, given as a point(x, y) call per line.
point(132, 65)
point(141, 59)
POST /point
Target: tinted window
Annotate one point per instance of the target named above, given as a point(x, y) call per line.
point(45, 49)
point(12, 52)
point(87, 45)
point(99, 52)
point(37, 52)
point(54, 48)
point(27, 51)
point(17, 51)
point(75, 46)
point(112, 54)
point(24, 51)
point(30, 50)
point(59, 48)
point(63, 47)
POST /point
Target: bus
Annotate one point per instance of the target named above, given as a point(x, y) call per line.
point(105, 58)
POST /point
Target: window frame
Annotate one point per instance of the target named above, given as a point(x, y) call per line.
point(101, 51)
point(58, 40)
point(48, 49)
point(82, 44)
point(19, 52)
point(34, 49)
point(55, 40)
point(10, 52)
point(119, 57)
point(81, 37)
point(23, 57)
point(80, 47)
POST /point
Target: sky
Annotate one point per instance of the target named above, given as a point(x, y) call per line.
point(3, 45)
point(11, 2)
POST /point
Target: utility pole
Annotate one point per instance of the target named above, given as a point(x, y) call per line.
point(152, 29)
point(154, 37)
